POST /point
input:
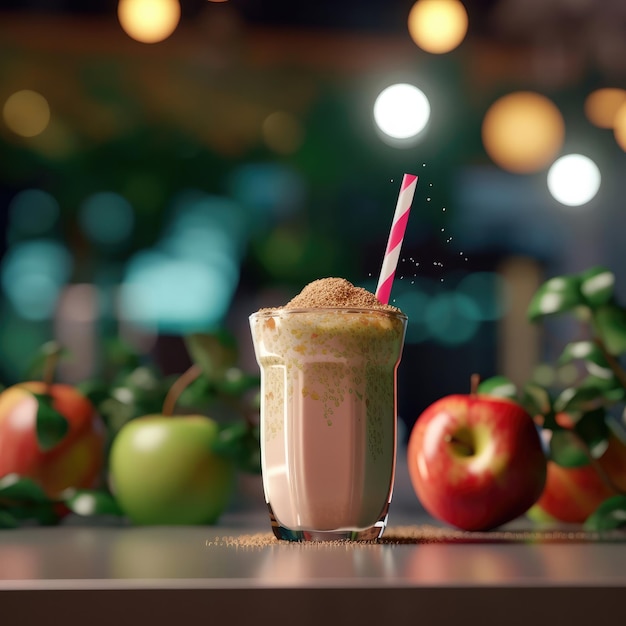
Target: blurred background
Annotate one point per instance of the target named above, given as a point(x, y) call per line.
point(170, 167)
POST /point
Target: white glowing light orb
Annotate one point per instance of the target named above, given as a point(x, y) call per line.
point(574, 179)
point(401, 111)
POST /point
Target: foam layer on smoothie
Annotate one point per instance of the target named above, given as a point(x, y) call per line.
point(336, 292)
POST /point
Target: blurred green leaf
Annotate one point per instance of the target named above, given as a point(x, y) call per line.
point(22, 499)
point(617, 425)
point(214, 353)
point(567, 450)
point(610, 388)
point(115, 414)
point(96, 391)
point(145, 380)
point(41, 357)
point(590, 353)
point(609, 322)
point(229, 438)
point(236, 382)
point(141, 392)
point(199, 393)
point(240, 442)
point(52, 427)
point(42, 513)
point(89, 502)
point(596, 286)
point(8, 520)
point(610, 515)
point(579, 399)
point(556, 295)
point(499, 386)
point(119, 356)
point(18, 488)
point(536, 400)
point(255, 401)
point(592, 428)
point(251, 463)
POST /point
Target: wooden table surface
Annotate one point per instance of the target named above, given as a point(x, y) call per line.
point(112, 573)
point(160, 575)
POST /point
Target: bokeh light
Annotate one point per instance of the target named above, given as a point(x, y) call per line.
point(20, 339)
point(452, 318)
point(283, 251)
point(602, 105)
point(186, 282)
point(214, 246)
point(32, 274)
point(149, 21)
point(198, 216)
point(174, 295)
point(438, 26)
point(107, 218)
point(282, 132)
point(216, 225)
point(522, 132)
point(574, 179)
point(26, 113)
point(414, 303)
point(31, 212)
point(59, 142)
point(268, 191)
point(401, 111)
point(489, 293)
point(619, 129)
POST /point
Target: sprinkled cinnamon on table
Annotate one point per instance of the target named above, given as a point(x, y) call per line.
point(402, 535)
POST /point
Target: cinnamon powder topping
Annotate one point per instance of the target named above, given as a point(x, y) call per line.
point(336, 292)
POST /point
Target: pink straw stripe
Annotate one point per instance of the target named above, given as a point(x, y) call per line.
point(383, 292)
point(407, 180)
point(397, 232)
point(396, 235)
point(391, 261)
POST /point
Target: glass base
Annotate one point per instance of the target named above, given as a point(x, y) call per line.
point(367, 534)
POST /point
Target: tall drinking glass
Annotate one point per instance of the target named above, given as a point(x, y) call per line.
point(328, 418)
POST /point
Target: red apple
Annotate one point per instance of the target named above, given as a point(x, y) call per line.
point(476, 461)
point(572, 494)
point(76, 461)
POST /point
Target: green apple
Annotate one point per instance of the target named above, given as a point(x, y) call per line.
point(164, 469)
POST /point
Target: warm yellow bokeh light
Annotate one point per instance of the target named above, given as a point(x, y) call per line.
point(26, 113)
point(523, 132)
point(619, 127)
point(282, 132)
point(149, 21)
point(438, 26)
point(602, 104)
point(58, 142)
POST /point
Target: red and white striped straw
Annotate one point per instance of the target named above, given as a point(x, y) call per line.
point(396, 235)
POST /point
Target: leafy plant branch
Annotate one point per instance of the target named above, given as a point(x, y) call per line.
point(579, 420)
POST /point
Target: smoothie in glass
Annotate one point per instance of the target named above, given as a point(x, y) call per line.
point(328, 363)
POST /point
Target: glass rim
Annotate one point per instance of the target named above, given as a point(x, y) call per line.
point(278, 312)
